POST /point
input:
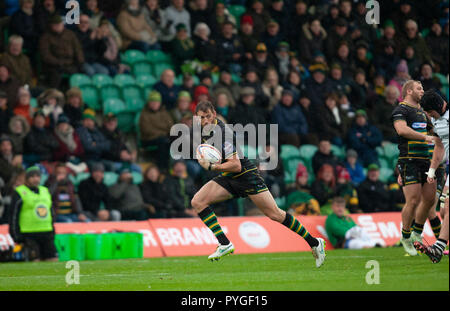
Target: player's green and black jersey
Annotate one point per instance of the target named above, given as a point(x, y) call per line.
point(228, 147)
point(417, 120)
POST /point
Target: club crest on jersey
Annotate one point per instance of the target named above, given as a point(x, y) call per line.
point(41, 211)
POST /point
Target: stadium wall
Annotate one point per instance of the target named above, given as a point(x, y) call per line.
point(190, 237)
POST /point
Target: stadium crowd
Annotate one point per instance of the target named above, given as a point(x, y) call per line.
point(316, 68)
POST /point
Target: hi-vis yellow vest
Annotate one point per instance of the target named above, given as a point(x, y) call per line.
point(35, 214)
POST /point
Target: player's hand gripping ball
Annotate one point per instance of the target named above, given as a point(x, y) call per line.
point(208, 154)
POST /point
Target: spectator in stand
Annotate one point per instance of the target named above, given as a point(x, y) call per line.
point(260, 17)
point(344, 59)
point(318, 85)
point(387, 61)
point(262, 60)
point(246, 111)
point(92, 46)
point(330, 19)
point(8, 84)
point(182, 111)
point(290, 119)
point(300, 201)
point(362, 61)
point(354, 167)
point(40, 142)
point(414, 38)
point(360, 90)
point(247, 37)
point(372, 193)
point(5, 113)
point(342, 231)
point(17, 61)
point(154, 16)
point(279, 12)
point(18, 129)
point(61, 52)
point(95, 144)
point(339, 83)
point(345, 189)
point(119, 153)
point(23, 24)
point(51, 102)
point(402, 14)
point(175, 14)
point(311, 118)
point(65, 202)
point(180, 190)
point(10, 161)
point(324, 155)
point(97, 18)
point(324, 188)
point(388, 35)
point(70, 146)
point(154, 126)
point(298, 19)
point(188, 83)
point(364, 138)
point(226, 82)
point(272, 37)
point(200, 12)
point(336, 35)
point(381, 111)
point(182, 47)
point(23, 107)
point(73, 108)
point(135, 31)
point(438, 43)
point(411, 60)
point(44, 12)
point(153, 192)
point(273, 177)
point(272, 88)
point(127, 198)
point(205, 48)
point(400, 78)
point(294, 83)
point(167, 89)
point(230, 52)
point(220, 16)
point(94, 196)
point(251, 79)
point(224, 102)
point(283, 60)
point(201, 93)
point(333, 121)
point(427, 79)
point(312, 39)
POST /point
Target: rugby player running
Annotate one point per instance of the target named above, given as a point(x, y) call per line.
point(239, 178)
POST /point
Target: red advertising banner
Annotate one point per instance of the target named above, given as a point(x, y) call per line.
point(190, 237)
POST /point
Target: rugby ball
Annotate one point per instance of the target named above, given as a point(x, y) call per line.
point(209, 152)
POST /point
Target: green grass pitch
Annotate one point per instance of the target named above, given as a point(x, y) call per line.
point(343, 270)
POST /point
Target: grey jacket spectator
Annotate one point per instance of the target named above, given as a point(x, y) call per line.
point(95, 144)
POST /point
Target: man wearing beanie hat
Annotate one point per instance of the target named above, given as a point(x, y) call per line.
point(373, 194)
point(32, 217)
point(154, 127)
point(182, 111)
point(94, 143)
point(70, 145)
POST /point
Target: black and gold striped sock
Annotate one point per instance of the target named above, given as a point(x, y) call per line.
point(418, 228)
point(436, 226)
point(292, 223)
point(406, 234)
point(210, 220)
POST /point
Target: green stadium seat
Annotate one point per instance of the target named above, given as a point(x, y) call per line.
point(134, 105)
point(137, 178)
point(391, 151)
point(444, 84)
point(110, 91)
point(131, 91)
point(157, 56)
point(124, 79)
point(132, 56)
point(79, 80)
point(290, 169)
point(384, 163)
point(289, 152)
point(110, 178)
point(114, 105)
point(338, 152)
point(178, 80)
point(100, 80)
point(146, 91)
point(90, 96)
point(250, 152)
point(386, 174)
point(281, 201)
point(142, 68)
point(236, 78)
point(307, 152)
point(33, 102)
point(145, 80)
point(81, 176)
point(215, 78)
point(380, 151)
point(160, 67)
point(237, 11)
point(125, 121)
